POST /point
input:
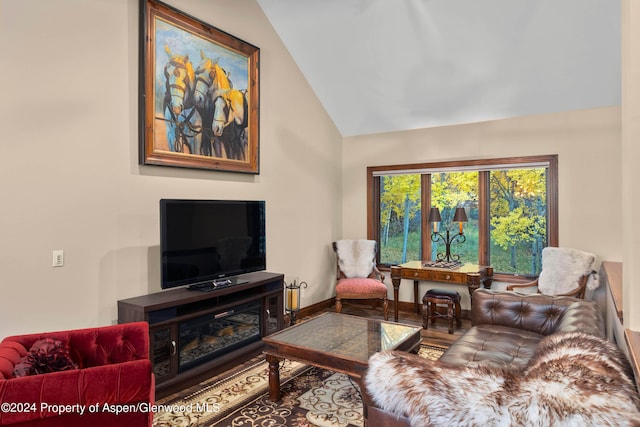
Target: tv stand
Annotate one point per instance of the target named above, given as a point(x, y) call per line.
point(194, 335)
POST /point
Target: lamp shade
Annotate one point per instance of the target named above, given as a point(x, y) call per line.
point(459, 216)
point(434, 215)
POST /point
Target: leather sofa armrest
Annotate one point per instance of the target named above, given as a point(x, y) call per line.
point(582, 316)
point(534, 313)
point(377, 417)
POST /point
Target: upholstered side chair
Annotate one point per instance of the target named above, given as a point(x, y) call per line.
point(357, 277)
point(565, 272)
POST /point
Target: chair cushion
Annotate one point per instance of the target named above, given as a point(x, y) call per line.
point(493, 345)
point(562, 269)
point(441, 294)
point(360, 286)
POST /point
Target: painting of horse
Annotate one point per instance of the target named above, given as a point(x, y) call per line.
point(184, 122)
point(199, 106)
point(229, 122)
point(210, 77)
point(223, 110)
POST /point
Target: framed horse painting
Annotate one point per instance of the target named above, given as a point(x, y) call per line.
point(199, 90)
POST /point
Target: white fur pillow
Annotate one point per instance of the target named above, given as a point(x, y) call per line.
point(356, 257)
point(562, 269)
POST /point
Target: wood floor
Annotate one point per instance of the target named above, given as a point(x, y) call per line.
point(436, 334)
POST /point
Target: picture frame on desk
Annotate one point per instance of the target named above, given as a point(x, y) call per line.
point(199, 94)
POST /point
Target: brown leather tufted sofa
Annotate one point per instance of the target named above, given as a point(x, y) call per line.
point(506, 329)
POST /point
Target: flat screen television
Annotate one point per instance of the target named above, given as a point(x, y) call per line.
point(206, 244)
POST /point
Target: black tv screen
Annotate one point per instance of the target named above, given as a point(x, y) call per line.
point(205, 242)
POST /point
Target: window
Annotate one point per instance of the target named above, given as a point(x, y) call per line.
point(511, 207)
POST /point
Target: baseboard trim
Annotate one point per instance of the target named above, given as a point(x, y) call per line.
point(405, 306)
point(310, 310)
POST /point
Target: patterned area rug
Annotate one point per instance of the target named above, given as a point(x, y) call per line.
point(310, 397)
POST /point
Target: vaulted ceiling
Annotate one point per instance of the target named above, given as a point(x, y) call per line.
point(390, 65)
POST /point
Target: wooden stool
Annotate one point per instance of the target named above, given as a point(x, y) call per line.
point(430, 302)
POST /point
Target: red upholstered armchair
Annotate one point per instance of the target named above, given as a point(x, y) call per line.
point(109, 372)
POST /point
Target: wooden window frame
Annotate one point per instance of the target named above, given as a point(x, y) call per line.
point(483, 166)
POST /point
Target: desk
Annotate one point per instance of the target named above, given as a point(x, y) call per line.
point(470, 275)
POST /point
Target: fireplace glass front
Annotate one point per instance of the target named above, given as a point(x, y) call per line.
point(209, 336)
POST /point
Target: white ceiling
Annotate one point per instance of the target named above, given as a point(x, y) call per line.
point(390, 65)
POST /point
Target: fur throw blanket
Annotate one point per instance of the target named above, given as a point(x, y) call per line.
point(562, 269)
point(356, 257)
point(574, 379)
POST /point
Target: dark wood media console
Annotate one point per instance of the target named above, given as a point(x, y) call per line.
point(195, 335)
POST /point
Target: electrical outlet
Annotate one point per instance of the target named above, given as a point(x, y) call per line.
point(58, 258)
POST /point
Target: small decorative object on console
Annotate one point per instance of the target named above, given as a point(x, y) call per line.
point(441, 264)
point(447, 258)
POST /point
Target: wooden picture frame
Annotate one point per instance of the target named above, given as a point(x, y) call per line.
point(199, 94)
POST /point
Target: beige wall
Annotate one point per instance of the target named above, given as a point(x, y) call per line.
point(69, 165)
point(71, 180)
point(630, 207)
point(587, 144)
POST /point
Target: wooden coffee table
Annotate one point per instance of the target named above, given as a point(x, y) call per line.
point(337, 342)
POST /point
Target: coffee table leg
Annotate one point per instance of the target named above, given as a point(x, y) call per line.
point(274, 378)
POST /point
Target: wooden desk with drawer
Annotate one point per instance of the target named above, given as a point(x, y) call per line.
point(471, 275)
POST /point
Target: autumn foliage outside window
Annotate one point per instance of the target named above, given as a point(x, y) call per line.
point(511, 205)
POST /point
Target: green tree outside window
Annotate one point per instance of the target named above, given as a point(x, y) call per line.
point(516, 212)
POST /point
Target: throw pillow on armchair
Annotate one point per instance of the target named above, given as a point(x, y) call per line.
point(46, 355)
